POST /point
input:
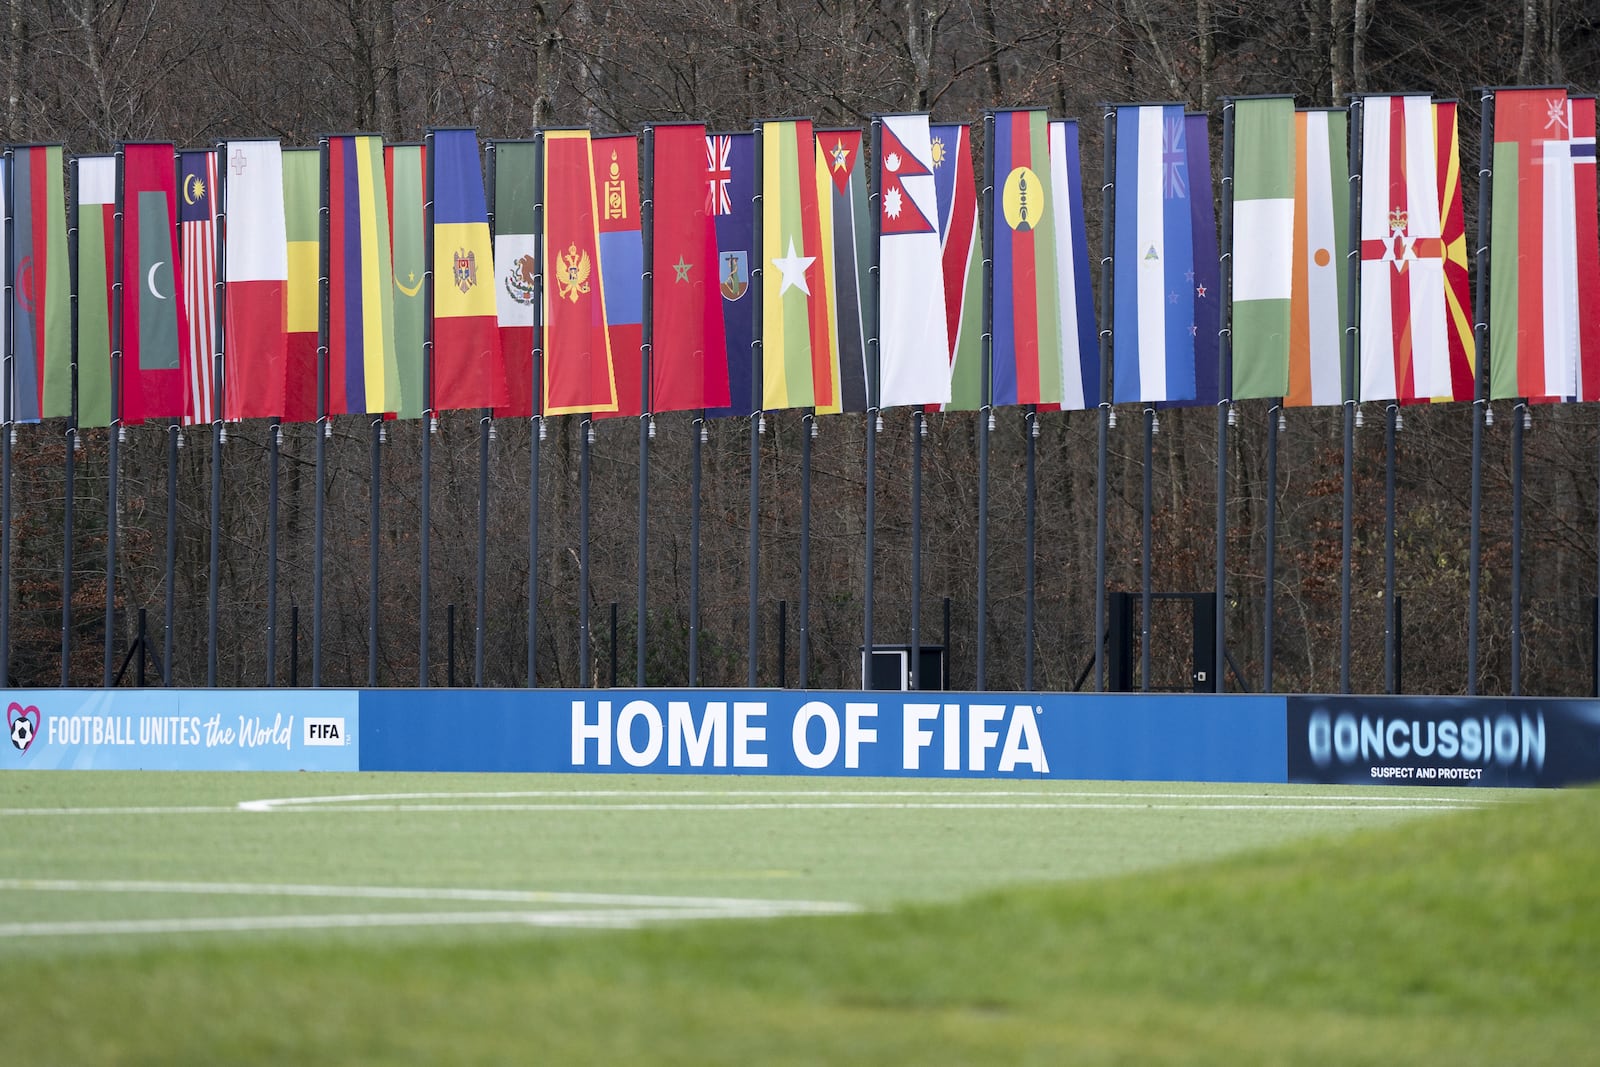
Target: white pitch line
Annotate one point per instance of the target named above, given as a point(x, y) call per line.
point(25, 812)
point(714, 808)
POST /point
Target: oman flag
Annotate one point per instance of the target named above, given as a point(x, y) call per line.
point(255, 342)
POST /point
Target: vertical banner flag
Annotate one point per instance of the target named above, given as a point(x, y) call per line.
point(97, 204)
point(1263, 244)
point(516, 268)
point(1588, 239)
point(616, 188)
point(1404, 344)
point(405, 174)
point(1154, 306)
point(961, 253)
point(797, 369)
point(1206, 323)
point(1080, 343)
point(255, 341)
point(1026, 366)
point(578, 371)
point(1321, 245)
point(302, 209)
point(688, 349)
point(730, 200)
point(842, 204)
point(469, 370)
point(1457, 286)
point(363, 374)
point(40, 313)
point(914, 360)
point(154, 327)
point(1533, 255)
point(197, 256)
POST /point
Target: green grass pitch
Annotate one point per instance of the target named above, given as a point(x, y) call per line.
point(396, 919)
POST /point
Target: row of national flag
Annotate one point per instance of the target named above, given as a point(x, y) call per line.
point(851, 247)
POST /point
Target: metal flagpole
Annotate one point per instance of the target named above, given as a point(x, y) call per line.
point(585, 443)
point(985, 409)
point(874, 397)
point(7, 426)
point(486, 434)
point(1351, 332)
point(1520, 418)
point(536, 429)
point(1224, 403)
point(1146, 506)
point(757, 418)
point(374, 523)
point(69, 504)
point(430, 418)
point(1107, 245)
point(697, 437)
point(218, 392)
point(274, 448)
point(174, 434)
point(323, 428)
point(919, 427)
point(115, 432)
point(808, 433)
point(1030, 425)
point(647, 222)
point(1391, 426)
point(1269, 610)
point(1480, 396)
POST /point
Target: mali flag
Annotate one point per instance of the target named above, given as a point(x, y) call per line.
point(469, 370)
point(578, 372)
point(406, 179)
point(797, 365)
point(688, 355)
point(363, 373)
point(41, 384)
point(302, 181)
point(154, 327)
point(516, 268)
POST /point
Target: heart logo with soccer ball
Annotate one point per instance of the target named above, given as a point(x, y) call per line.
point(23, 725)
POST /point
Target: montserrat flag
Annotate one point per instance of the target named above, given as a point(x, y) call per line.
point(1533, 253)
point(689, 353)
point(842, 203)
point(469, 370)
point(578, 370)
point(405, 172)
point(516, 269)
point(961, 263)
point(1080, 345)
point(730, 200)
point(1205, 321)
point(363, 373)
point(97, 204)
point(914, 358)
point(616, 190)
point(1027, 321)
point(1263, 244)
point(797, 366)
point(197, 257)
point(155, 350)
point(1319, 295)
point(302, 199)
point(1588, 234)
point(255, 346)
point(40, 312)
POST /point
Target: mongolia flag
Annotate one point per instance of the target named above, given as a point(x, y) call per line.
point(197, 233)
point(516, 269)
point(405, 172)
point(1263, 244)
point(302, 199)
point(1403, 326)
point(688, 354)
point(578, 371)
point(842, 204)
point(730, 199)
point(1457, 287)
point(915, 359)
point(154, 326)
point(1533, 255)
point(616, 189)
point(1321, 244)
point(97, 203)
point(797, 366)
point(1027, 321)
point(363, 375)
point(469, 370)
point(1588, 231)
point(255, 346)
point(41, 384)
point(1080, 343)
point(961, 256)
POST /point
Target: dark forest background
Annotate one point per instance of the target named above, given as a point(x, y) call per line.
point(90, 73)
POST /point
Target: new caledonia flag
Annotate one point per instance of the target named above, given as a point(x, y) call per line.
point(730, 200)
point(1027, 316)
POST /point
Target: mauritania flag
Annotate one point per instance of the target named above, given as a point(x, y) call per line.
point(255, 346)
point(1321, 246)
point(41, 384)
point(914, 365)
point(406, 183)
point(688, 351)
point(578, 372)
point(842, 203)
point(1457, 287)
point(468, 368)
point(516, 269)
point(302, 208)
point(197, 255)
point(1403, 324)
point(1588, 232)
point(1080, 345)
point(796, 366)
point(1026, 366)
point(1533, 257)
point(730, 199)
point(154, 327)
point(1154, 308)
point(363, 374)
point(616, 188)
point(1263, 244)
point(961, 254)
point(97, 203)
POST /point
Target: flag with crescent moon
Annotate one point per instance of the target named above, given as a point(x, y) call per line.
point(155, 341)
point(405, 171)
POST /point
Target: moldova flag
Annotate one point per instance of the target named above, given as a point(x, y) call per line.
point(469, 370)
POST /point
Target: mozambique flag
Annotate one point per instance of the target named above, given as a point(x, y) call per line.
point(1027, 321)
point(730, 199)
point(616, 190)
point(302, 197)
point(841, 179)
point(468, 368)
point(797, 364)
point(578, 372)
point(154, 326)
point(97, 205)
point(363, 373)
point(516, 268)
point(404, 170)
point(254, 350)
point(961, 252)
point(41, 384)
point(688, 351)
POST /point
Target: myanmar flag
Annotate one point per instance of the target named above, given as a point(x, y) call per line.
point(363, 374)
point(516, 266)
point(97, 203)
point(255, 344)
point(41, 384)
point(154, 327)
point(404, 171)
point(302, 179)
point(688, 354)
point(578, 372)
point(797, 370)
point(468, 368)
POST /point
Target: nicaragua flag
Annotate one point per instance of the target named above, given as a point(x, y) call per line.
point(1154, 249)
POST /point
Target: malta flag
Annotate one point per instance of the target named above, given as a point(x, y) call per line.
point(97, 204)
point(363, 374)
point(689, 353)
point(797, 369)
point(255, 343)
point(914, 357)
point(578, 372)
point(469, 370)
point(516, 269)
point(155, 350)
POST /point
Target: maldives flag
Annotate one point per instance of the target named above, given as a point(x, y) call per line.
point(197, 234)
point(41, 384)
point(961, 254)
point(97, 204)
point(797, 368)
point(689, 354)
point(730, 200)
point(302, 208)
point(1027, 322)
point(616, 188)
point(1588, 233)
point(255, 327)
point(578, 372)
point(155, 339)
point(516, 269)
point(468, 368)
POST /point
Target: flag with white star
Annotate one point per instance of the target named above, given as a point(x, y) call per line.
point(845, 225)
point(796, 364)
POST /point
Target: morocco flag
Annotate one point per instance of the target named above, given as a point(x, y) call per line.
point(255, 347)
point(689, 356)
